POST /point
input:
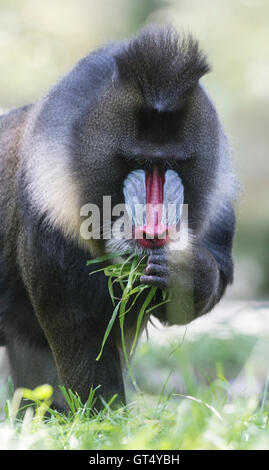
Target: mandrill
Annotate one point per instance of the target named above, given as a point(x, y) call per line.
point(131, 121)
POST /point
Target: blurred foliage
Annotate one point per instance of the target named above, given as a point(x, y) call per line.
point(187, 364)
point(39, 41)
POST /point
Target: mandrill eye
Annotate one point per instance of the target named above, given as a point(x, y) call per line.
point(140, 162)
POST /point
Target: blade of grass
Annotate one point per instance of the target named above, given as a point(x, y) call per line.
point(197, 400)
point(106, 257)
point(109, 327)
point(147, 301)
point(110, 289)
point(125, 354)
point(265, 393)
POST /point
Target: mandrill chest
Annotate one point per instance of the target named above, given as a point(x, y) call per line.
point(154, 200)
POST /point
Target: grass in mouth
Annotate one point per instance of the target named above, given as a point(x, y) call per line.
point(127, 275)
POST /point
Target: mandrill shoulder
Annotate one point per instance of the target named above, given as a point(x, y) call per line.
point(11, 129)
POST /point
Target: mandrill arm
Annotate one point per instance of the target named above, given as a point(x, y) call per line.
point(197, 276)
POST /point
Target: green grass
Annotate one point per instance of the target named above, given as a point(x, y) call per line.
point(127, 275)
point(185, 402)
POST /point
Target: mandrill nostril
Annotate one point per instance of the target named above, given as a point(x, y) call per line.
point(154, 232)
point(151, 236)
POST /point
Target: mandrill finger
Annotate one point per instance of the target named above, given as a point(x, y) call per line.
point(157, 259)
point(156, 269)
point(156, 281)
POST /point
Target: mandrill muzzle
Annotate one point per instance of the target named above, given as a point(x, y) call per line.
point(154, 202)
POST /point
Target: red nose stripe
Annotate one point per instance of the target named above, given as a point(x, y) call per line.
point(153, 234)
point(154, 187)
point(154, 197)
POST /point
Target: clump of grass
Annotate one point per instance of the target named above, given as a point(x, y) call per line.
point(127, 275)
point(214, 421)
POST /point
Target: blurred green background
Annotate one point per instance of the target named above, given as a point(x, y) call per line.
point(39, 41)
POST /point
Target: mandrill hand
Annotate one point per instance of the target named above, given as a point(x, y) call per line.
point(192, 276)
point(169, 269)
point(156, 273)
